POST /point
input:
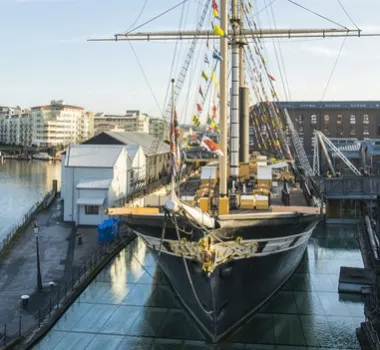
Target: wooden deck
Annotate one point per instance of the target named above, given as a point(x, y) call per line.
point(297, 197)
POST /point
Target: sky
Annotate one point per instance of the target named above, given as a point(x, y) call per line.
point(45, 54)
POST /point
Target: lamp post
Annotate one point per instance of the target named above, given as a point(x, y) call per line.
point(39, 281)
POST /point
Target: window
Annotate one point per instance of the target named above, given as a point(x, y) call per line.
point(300, 119)
point(365, 119)
point(365, 129)
point(352, 130)
point(339, 118)
point(339, 130)
point(378, 130)
point(314, 119)
point(91, 210)
point(352, 119)
point(326, 119)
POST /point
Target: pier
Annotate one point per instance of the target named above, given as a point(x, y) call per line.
point(349, 197)
point(369, 331)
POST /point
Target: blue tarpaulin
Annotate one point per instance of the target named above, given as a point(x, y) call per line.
point(108, 230)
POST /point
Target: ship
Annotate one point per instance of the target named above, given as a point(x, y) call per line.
point(233, 230)
point(42, 156)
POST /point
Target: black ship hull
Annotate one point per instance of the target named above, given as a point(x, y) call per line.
point(221, 300)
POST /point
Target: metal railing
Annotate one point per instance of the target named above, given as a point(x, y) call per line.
point(25, 220)
point(350, 185)
point(24, 326)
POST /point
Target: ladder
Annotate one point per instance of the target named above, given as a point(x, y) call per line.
point(298, 146)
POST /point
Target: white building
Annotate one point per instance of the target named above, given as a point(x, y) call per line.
point(15, 126)
point(94, 177)
point(132, 121)
point(137, 172)
point(158, 128)
point(157, 160)
point(59, 124)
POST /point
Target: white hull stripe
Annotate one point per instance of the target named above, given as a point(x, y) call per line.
point(240, 250)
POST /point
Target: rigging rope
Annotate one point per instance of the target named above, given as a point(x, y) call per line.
point(173, 60)
point(341, 5)
point(317, 14)
point(138, 17)
point(336, 62)
point(208, 312)
point(145, 77)
point(154, 18)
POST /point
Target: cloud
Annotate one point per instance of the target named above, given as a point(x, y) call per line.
point(44, 1)
point(370, 28)
point(323, 51)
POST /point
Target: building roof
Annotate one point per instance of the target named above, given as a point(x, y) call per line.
point(132, 151)
point(331, 105)
point(99, 184)
point(57, 106)
point(372, 147)
point(128, 138)
point(350, 150)
point(91, 200)
point(93, 156)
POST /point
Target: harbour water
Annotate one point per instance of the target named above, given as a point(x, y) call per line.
point(22, 184)
point(130, 305)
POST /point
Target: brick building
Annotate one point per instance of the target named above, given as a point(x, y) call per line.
point(336, 119)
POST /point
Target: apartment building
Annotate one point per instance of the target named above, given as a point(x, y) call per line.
point(132, 121)
point(59, 124)
point(343, 119)
point(158, 127)
point(15, 126)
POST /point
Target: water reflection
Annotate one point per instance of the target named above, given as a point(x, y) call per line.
point(131, 306)
point(118, 275)
point(22, 183)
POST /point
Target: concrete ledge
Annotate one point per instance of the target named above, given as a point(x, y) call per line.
point(27, 341)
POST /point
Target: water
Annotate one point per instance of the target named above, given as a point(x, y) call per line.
point(22, 184)
point(129, 305)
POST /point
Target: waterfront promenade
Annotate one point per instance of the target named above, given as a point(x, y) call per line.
point(60, 256)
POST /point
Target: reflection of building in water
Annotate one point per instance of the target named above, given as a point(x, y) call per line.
point(139, 253)
point(52, 172)
point(118, 275)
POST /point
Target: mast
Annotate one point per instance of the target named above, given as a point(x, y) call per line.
point(234, 101)
point(243, 100)
point(173, 146)
point(223, 101)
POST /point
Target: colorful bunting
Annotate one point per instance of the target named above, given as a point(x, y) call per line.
point(206, 59)
point(216, 55)
point(201, 92)
point(213, 77)
point(211, 146)
point(204, 75)
point(174, 146)
point(219, 31)
point(214, 5)
point(195, 120)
